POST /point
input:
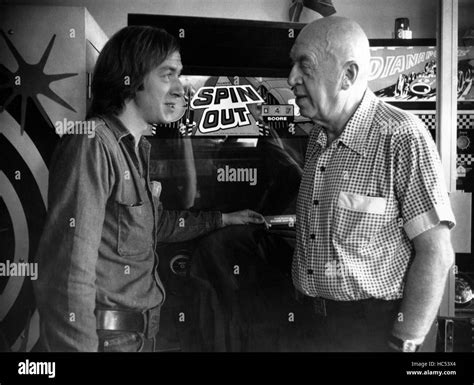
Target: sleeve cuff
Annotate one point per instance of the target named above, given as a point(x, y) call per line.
point(216, 220)
point(430, 219)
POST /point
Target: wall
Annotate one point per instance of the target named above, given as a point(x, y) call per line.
point(376, 16)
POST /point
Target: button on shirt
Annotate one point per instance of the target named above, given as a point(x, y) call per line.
point(97, 250)
point(361, 202)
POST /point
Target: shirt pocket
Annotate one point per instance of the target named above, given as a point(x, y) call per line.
point(357, 220)
point(135, 227)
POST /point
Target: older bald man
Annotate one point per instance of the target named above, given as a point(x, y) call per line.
point(373, 216)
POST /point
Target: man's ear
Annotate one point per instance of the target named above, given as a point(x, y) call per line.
point(350, 74)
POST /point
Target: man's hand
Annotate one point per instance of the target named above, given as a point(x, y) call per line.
point(244, 217)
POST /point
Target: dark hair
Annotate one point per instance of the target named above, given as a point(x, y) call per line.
point(126, 58)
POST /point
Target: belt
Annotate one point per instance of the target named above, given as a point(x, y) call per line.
point(323, 306)
point(147, 322)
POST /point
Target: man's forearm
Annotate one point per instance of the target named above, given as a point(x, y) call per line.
point(180, 226)
point(422, 296)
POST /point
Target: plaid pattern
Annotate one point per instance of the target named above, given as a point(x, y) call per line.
point(361, 202)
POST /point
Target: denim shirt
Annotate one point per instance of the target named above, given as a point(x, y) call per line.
point(97, 250)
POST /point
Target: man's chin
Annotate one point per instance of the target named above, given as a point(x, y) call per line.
point(306, 112)
point(163, 119)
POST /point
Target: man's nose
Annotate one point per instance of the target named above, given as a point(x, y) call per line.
point(294, 77)
point(177, 88)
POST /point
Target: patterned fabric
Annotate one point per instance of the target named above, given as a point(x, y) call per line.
point(361, 202)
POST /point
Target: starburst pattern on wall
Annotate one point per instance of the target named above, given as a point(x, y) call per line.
point(29, 81)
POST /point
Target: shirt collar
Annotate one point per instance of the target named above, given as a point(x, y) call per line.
point(116, 126)
point(120, 131)
point(357, 128)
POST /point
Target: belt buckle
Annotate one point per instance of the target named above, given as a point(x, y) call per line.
point(319, 306)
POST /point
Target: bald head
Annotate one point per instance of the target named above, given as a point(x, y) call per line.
point(340, 40)
point(329, 75)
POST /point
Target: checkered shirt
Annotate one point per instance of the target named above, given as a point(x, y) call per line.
point(361, 202)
